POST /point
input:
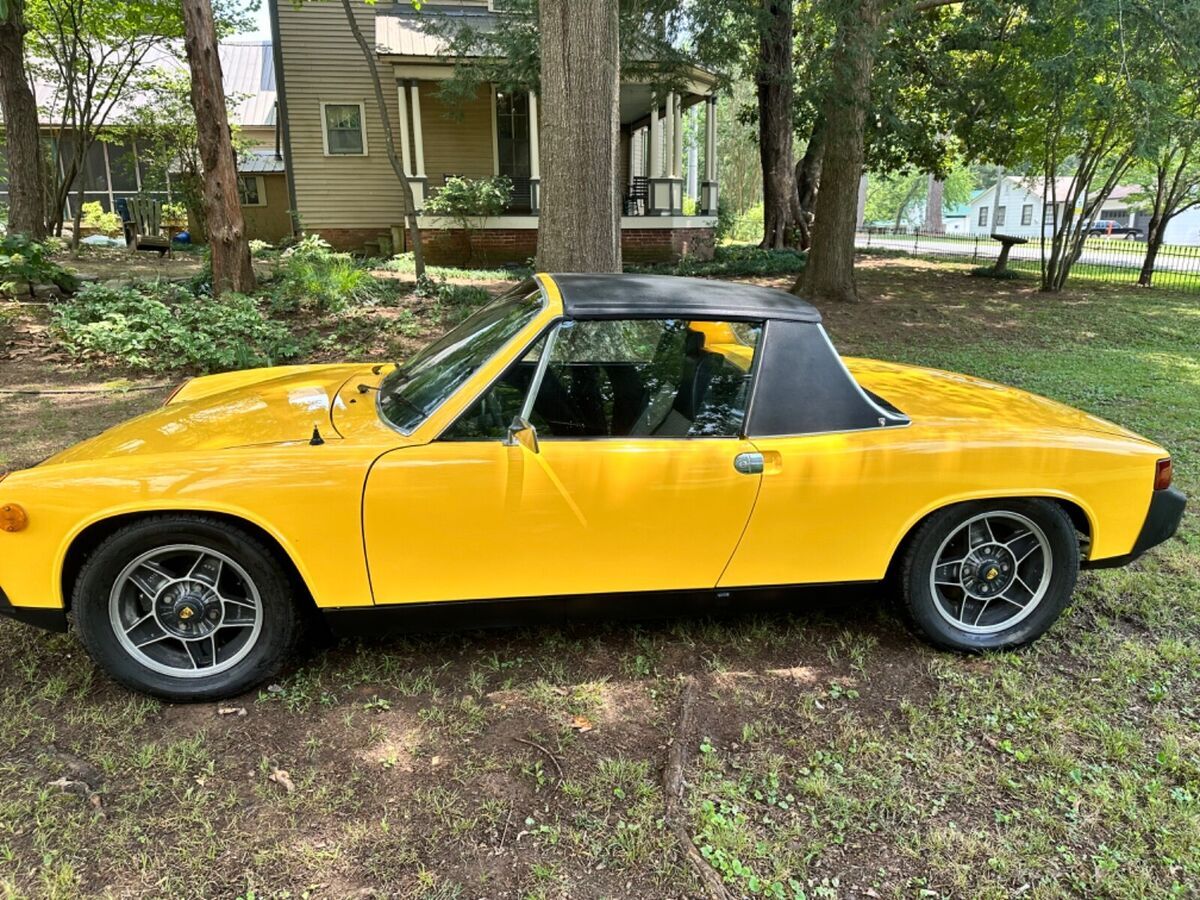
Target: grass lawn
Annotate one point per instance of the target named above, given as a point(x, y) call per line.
point(832, 756)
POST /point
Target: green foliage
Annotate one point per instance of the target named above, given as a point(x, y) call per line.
point(748, 226)
point(899, 200)
point(312, 275)
point(95, 218)
point(157, 326)
point(990, 272)
point(736, 260)
point(26, 262)
point(469, 200)
point(727, 218)
point(403, 262)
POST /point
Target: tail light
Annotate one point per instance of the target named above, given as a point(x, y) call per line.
point(1162, 474)
point(179, 387)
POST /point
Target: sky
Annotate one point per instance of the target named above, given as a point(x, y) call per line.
point(262, 26)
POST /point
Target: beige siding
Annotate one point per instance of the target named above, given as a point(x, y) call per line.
point(457, 141)
point(270, 223)
point(261, 136)
point(322, 63)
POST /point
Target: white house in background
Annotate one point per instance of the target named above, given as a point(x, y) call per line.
point(1023, 209)
point(955, 219)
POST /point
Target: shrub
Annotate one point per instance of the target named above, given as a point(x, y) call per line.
point(403, 262)
point(164, 326)
point(260, 249)
point(312, 275)
point(734, 260)
point(990, 272)
point(95, 218)
point(469, 202)
point(748, 225)
point(26, 262)
point(174, 213)
point(726, 219)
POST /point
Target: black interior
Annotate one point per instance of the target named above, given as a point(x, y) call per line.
point(684, 390)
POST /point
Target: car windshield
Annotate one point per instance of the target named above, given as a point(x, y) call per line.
point(412, 392)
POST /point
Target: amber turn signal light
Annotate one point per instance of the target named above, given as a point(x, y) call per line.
point(1162, 474)
point(13, 517)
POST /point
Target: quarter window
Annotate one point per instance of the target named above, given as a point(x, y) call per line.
point(343, 123)
point(650, 378)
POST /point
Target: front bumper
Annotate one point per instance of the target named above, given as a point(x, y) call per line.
point(42, 617)
point(1162, 521)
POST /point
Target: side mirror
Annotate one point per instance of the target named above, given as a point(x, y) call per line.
point(521, 433)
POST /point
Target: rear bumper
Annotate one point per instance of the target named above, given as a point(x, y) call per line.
point(1162, 520)
point(41, 617)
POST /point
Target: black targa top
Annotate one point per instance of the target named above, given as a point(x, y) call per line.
point(801, 385)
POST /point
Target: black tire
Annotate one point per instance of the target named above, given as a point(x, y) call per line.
point(922, 608)
point(281, 619)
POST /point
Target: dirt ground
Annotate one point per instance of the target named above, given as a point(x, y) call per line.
point(832, 754)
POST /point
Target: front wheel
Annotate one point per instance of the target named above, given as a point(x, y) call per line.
point(186, 608)
point(990, 575)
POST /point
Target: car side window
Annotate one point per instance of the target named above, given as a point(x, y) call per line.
point(626, 378)
point(647, 378)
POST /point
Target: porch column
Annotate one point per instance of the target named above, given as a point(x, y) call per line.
point(655, 170)
point(665, 186)
point(418, 181)
point(535, 157)
point(708, 187)
point(677, 154)
point(404, 132)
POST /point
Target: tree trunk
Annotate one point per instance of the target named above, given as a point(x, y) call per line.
point(934, 197)
point(27, 197)
point(829, 273)
point(808, 180)
point(229, 249)
point(1154, 241)
point(579, 227)
point(406, 194)
point(781, 202)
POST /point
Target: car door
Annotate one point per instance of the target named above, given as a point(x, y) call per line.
point(633, 474)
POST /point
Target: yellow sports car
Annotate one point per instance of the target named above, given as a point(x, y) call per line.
point(582, 435)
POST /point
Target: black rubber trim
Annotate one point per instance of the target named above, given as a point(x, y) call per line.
point(672, 297)
point(1162, 521)
point(49, 619)
point(466, 615)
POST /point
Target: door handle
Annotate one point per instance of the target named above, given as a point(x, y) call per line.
point(748, 463)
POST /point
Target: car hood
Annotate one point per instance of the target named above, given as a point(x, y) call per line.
point(235, 409)
point(929, 395)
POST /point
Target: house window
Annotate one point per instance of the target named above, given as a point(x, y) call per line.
point(1001, 212)
point(983, 213)
point(1027, 214)
point(513, 145)
point(344, 132)
point(1114, 214)
point(251, 190)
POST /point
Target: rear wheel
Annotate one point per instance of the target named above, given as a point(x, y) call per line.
point(186, 608)
point(990, 575)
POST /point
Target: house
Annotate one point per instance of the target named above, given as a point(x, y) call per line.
point(1023, 209)
point(955, 219)
point(342, 184)
point(112, 169)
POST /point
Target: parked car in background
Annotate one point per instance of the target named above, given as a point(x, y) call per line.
point(1113, 228)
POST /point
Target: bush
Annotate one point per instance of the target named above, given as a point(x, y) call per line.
point(734, 260)
point(25, 263)
point(403, 262)
point(157, 326)
point(748, 225)
point(469, 202)
point(990, 272)
point(312, 275)
point(726, 219)
point(95, 218)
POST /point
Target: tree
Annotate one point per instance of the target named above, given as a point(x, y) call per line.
point(1170, 184)
point(579, 226)
point(228, 246)
point(775, 82)
point(1078, 92)
point(164, 125)
point(26, 210)
point(95, 53)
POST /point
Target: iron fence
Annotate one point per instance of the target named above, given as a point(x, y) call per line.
point(1110, 259)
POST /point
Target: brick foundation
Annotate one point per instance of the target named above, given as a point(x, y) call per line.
point(497, 246)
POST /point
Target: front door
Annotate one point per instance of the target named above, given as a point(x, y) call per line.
point(639, 479)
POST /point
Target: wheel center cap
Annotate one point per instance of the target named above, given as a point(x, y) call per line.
point(190, 610)
point(992, 573)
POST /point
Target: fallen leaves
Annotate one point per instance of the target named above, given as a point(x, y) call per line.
point(283, 779)
point(231, 711)
point(582, 724)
